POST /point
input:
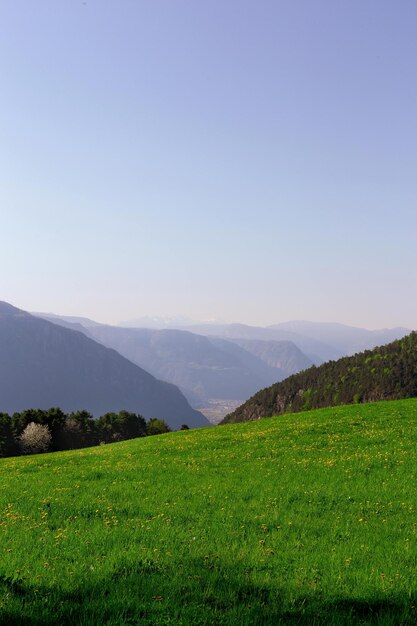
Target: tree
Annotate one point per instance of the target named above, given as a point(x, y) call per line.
point(53, 418)
point(79, 431)
point(157, 426)
point(21, 420)
point(7, 443)
point(184, 427)
point(120, 426)
point(35, 438)
point(107, 428)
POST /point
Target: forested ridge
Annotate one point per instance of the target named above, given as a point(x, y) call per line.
point(385, 373)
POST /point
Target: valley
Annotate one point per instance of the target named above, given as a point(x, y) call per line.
point(219, 366)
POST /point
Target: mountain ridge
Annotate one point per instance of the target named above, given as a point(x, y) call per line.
point(388, 372)
point(202, 367)
point(346, 339)
point(43, 364)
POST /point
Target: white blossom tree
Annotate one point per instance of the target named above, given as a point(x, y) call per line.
point(35, 438)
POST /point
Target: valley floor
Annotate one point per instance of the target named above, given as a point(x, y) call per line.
point(303, 519)
point(216, 410)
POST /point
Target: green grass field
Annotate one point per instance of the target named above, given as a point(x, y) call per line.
point(302, 519)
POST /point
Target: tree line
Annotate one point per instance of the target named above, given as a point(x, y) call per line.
point(38, 430)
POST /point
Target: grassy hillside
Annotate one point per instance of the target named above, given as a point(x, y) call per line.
point(385, 373)
point(306, 519)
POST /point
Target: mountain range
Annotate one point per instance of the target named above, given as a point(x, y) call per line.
point(43, 364)
point(321, 341)
point(222, 365)
point(204, 368)
point(347, 340)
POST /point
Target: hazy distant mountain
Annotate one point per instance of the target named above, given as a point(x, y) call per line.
point(204, 368)
point(43, 364)
point(69, 321)
point(210, 371)
point(283, 355)
point(317, 351)
point(61, 321)
point(346, 339)
point(290, 347)
point(161, 323)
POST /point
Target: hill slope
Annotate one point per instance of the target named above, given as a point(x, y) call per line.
point(43, 365)
point(306, 519)
point(388, 372)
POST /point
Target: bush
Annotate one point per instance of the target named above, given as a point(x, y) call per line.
point(35, 438)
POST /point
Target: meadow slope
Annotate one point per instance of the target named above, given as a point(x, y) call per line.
point(302, 519)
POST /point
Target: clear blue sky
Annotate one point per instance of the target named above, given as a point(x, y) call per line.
point(253, 161)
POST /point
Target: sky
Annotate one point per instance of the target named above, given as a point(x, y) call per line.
point(243, 160)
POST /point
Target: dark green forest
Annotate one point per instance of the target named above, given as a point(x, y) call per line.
point(71, 431)
point(385, 373)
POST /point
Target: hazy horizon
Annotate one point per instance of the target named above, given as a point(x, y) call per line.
point(246, 161)
point(184, 321)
